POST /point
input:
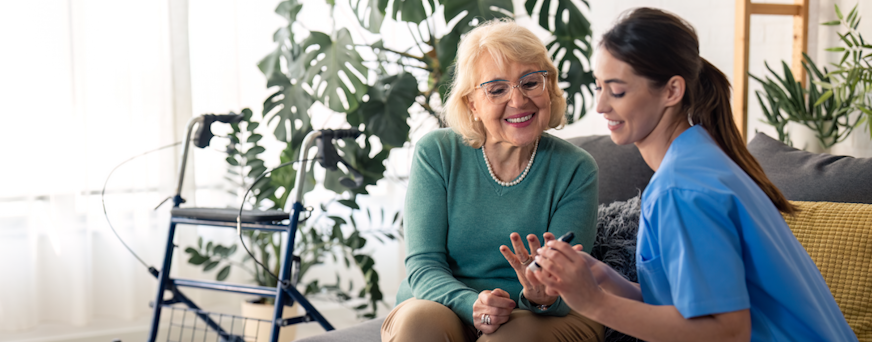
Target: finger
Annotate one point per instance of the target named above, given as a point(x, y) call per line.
point(531, 277)
point(563, 248)
point(534, 243)
point(549, 237)
point(497, 301)
point(510, 257)
point(518, 246)
point(500, 293)
point(578, 248)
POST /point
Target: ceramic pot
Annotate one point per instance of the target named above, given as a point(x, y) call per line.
point(253, 309)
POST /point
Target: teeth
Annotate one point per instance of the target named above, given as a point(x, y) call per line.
point(614, 123)
point(521, 119)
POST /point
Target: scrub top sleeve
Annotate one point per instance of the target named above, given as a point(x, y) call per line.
point(701, 252)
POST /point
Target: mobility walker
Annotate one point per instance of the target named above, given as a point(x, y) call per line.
point(285, 293)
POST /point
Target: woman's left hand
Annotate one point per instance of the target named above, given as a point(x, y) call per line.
point(534, 291)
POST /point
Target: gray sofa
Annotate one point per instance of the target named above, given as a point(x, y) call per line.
point(801, 176)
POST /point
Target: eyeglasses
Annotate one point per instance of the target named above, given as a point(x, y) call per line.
point(500, 91)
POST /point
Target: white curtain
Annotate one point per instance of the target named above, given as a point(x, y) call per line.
point(85, 85)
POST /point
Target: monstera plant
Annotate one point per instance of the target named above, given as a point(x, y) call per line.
point(376, 87)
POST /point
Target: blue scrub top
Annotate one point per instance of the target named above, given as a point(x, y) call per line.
point(710, 241)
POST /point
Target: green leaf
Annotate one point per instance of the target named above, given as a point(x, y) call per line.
point(569, 22)
point(370, 15)
point(197, 259)
point(835, 49)
point(824, 97)
point(192, 251)
point(254, 151)
point(209, 266)
point(387, 110)
point(832, 23)
point(209, 247)
point(200, 242)
point(232, 161)
point(365, 262)
point(482, 10)
point(223, 273)
point(330, 61)
point(446, 50)
point(410, 11)
point(839, 12)
point(349, 203)
point(289, 9)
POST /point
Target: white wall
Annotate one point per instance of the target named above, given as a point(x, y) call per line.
point(771, 40)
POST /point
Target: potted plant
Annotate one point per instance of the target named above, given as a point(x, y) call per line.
point(851, 81)
point(830, 103)
point(787, 101)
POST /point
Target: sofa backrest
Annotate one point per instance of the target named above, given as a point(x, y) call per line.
point(623, 174)
point(838, 237)
point(806, 176)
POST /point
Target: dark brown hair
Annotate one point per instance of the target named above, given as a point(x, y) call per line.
point(659, 45)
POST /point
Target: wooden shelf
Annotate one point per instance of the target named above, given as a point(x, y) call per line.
point(744, 10)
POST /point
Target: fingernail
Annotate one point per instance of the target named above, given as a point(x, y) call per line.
point(540, 250)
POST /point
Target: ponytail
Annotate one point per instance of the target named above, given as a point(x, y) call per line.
point(711, 109)
point(660, 45)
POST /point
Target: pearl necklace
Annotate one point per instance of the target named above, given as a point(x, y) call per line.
point(517, 180)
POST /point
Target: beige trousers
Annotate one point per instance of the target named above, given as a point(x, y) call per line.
point(424, 321)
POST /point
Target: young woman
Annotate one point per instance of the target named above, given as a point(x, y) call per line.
point(715, 259)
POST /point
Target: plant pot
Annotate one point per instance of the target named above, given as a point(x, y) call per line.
point(805, 138)
point(253, 309)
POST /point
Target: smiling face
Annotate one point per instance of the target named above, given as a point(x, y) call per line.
point(629, 103)
point(521, 120)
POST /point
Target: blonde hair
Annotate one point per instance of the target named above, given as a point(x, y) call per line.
point(502, 40)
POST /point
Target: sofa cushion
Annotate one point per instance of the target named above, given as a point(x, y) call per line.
point(838, 237)
point(623, 173)
point(806, 176)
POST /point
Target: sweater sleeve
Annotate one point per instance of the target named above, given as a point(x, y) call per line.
point(426, 232)
point(576, 212)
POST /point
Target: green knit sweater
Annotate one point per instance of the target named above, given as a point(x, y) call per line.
point(457, 216)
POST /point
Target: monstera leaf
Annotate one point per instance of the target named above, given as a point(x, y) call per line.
point(370, 13)
point(386, 111)
point(571, 43)
point(372, 168)
point(288, 105)
point(568, 20)
point(335, 70)
point(572, 72)
point(410, 10)
point(475, 9)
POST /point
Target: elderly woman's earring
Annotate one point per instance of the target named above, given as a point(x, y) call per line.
point(690, 118)
point(475, 118)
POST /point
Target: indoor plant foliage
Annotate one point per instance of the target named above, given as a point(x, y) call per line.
point(375, 94)
point(318, 238)
point(851, 81)
point(787, 100)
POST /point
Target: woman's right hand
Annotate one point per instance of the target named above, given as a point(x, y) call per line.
point(609, 279)
point(497, 305)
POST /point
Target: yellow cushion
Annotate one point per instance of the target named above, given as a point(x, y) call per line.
point(838, 237)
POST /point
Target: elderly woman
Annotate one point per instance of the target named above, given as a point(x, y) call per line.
point(476, 186)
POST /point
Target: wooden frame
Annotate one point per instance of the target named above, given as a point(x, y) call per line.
point(744, 10)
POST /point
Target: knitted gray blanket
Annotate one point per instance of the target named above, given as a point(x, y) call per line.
point(615, 245)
